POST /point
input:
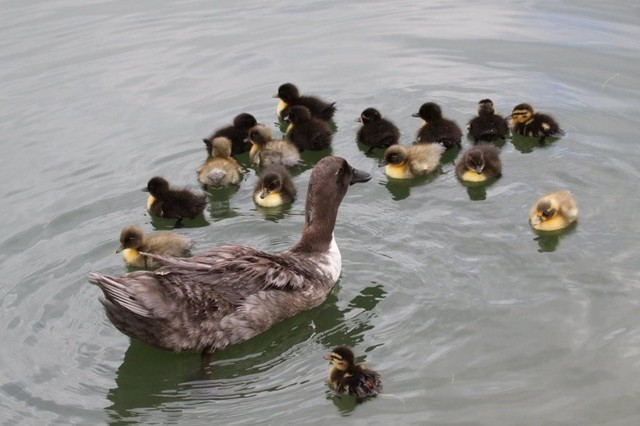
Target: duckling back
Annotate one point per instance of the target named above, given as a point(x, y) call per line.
point(487, 126)
point(436, 128)
point(526, 122)
point(236, 133)
point(166, 202)
point(290, 96)
point(134, 241)
point(376, 131)
point(308, 133)
point(278, 153)
point(425, 158)
point(221, 169)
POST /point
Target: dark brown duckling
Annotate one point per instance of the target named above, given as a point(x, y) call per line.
point(376, 132)
point(487, 126)
point(526, 122)
point(133, 241)
point(436, 128)
point(348, 378)
point(274, 188)
point(237, 133)
point(290, 96)
point(306, 132)
point(166, 202)
point(479, 163)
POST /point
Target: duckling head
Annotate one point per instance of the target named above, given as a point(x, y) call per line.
point(287, 92)
point(395, 155)
point(271, 183)
point(522, 113)
point(429, 111)
point(131, 237)
point(298, 114)
point(474, 160)
point(157, 186)
point(341, 358)
point(485, 107)
point(244, 121)
point(546, 209)
point(260, 135)
point(221, 147)
point(369, 115)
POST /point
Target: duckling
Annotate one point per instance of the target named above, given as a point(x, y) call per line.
point(376, 132)
point(526, 122)
point(290, 96)
point(306, 132)
point(554, 211)
point(236, 133)
point(436, 128)
point(274, 188)
point(487, 125)
point(408, 162)
point(266, 152)
point(229, 294)
point(166, 202)
point(221, 169)
point(348, 378)
point(133, 241)
point(479, 163)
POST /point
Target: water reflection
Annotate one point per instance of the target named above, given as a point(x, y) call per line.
point(150, 378)
point(477, 191)
point(548, 241)
point(276, 213)
point(220, 204)
point(400, 189)
point(526, 144)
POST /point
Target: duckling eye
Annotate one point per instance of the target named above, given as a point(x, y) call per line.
point(548, 213)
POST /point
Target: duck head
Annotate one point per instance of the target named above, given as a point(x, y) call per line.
point(341, 358)
point(429, 111)
point(369, 115)
point(485, 107)
point(287, 92)
point(131, 237)
point(521, 113)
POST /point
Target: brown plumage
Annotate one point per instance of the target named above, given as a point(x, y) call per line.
point(168, 203)
point(229, 294)
point(306, 132)
point(221, 169)
point(236, 133)
point(526, 122)
point(479, 163)
point(436, 128)
point(290, 96)
point(487, 126)
point(266, 152)
point(133, 241)
point(403, 162)
point(376, 132)
point(348, 378)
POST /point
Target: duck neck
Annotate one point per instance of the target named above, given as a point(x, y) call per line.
point(319, 223)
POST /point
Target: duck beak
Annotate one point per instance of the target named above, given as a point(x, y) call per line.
point(358, 176)
point(120, 249)
point(264, 193)
point(415, 114)
point(275, 96)
point(536, 220)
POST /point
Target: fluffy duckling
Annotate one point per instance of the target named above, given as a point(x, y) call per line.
point(554, 211)
point(274, 188)
point(479, 163)
point(221, 169)
point(403, 162)
point(436, 128)
point(348, 378)
point(376, 132)
point(166, 202)
point(487, 126)
point(229, 294)
point(133, 241)
point(236, 133)
point(267, 152)
point(306, 132)
point(526, 122)
point(290, 96)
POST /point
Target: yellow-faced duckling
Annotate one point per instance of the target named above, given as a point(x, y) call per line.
point(274, 188)
point(436, 128)
point(479, 163)
point(487, 126)
point(376, 132)
point(348, 378)
point(267, 152)
point(168, 203)
point(290, 96)
point(306, 132)
point(133, 241)
point(221, 169)
point(229, 294)
point(236, 133)
point(403, 162)
point(526, 122)
point(554, 211)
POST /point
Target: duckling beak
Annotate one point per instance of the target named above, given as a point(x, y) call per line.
point(264, 193)
point(358, 176)
point(286, 118)
point(145, 189)
point(359, 120)
point(479, 169)
point(275, 96)
point(120, 249)
point(415, 114)
point(327, 357)
point(382, 163)
point(536, 220)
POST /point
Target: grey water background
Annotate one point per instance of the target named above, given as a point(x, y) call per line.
point(469, 316)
